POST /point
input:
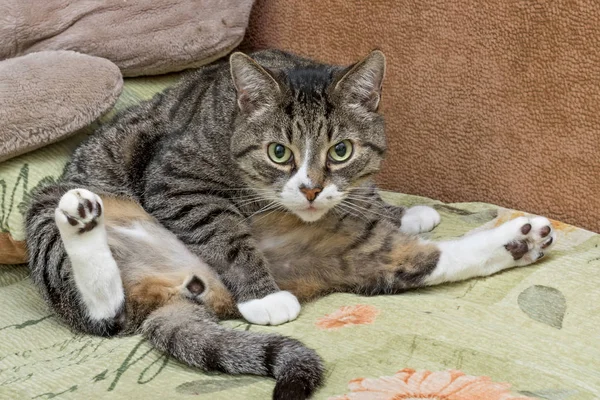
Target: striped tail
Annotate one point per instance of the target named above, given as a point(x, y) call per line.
point(190, 334)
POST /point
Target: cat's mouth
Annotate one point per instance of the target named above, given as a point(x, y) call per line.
point(311, 213)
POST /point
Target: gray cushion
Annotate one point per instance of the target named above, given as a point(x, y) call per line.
point(49, 95)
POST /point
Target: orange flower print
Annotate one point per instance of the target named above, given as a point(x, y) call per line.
point(348, 315)
point(409, 384)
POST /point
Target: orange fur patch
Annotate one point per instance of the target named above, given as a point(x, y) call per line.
point(153, 291)
point(120, 211)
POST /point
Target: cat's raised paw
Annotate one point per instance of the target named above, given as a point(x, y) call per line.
point(273, 309)
point(528, 238)
point(419, 219)
point(79, 211)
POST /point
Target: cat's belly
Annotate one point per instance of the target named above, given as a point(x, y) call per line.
point(297, 250)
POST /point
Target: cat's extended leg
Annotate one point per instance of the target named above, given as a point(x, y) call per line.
point(80, 221)
point(518, 242)
point(375, 258)
point(51, 267)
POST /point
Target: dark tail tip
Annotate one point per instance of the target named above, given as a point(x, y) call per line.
point(294, 389)
point(302, 372)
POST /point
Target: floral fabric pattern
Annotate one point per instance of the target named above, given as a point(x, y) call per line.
point(409, 384)
point(348, 315)
point(532, 327)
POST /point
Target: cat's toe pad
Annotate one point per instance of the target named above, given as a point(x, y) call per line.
point(274, 309)
point(528, 238)
point(79, 210)
point(419, 219)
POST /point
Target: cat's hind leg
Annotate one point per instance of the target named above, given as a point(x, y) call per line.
point(80, 220)
point(417, 263)
point(519, 242)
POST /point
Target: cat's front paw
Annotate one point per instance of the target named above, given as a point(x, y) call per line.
point(273, 309)
point(79, 211)
point(528, 238)
point(419, 219)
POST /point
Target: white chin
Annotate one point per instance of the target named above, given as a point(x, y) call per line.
point(310, 215)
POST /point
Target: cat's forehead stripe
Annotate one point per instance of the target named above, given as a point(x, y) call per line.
point(311, 83)
point(312, 128)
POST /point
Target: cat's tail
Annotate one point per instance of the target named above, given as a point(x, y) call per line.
point(189, 333)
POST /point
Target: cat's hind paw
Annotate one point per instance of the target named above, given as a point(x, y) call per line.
point(528, 238)
point(79, 211)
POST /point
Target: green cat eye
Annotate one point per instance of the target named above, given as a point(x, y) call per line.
point(278, 153)
point(341, 152)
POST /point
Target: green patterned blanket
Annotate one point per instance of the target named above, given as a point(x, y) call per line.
point(531, 332)
point(536, 328)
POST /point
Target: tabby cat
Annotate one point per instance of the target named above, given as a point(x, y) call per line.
point(242, 191)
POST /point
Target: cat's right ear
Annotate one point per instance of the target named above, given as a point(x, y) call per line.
point(256, 88)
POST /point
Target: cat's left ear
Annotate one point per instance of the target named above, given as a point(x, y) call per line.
point(256, 88)
point(360, 87)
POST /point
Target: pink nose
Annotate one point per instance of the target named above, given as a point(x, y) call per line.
point(311, 194)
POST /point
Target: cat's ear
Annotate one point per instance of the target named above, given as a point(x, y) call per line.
point(256, 88)
point(360, 87)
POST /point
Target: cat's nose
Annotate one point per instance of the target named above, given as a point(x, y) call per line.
point(311, 193)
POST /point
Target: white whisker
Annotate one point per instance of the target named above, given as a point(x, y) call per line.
point(352, 212)
point(369, 210)
point(265, 208)
point(270, 211)
point(256, 200)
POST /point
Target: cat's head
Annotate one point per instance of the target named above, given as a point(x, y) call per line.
point(304, 137)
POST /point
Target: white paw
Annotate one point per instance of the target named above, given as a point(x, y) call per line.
point(80, 222)
point(273, 309)
point(419, 219)
point(79, 211)
point(528, 238)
